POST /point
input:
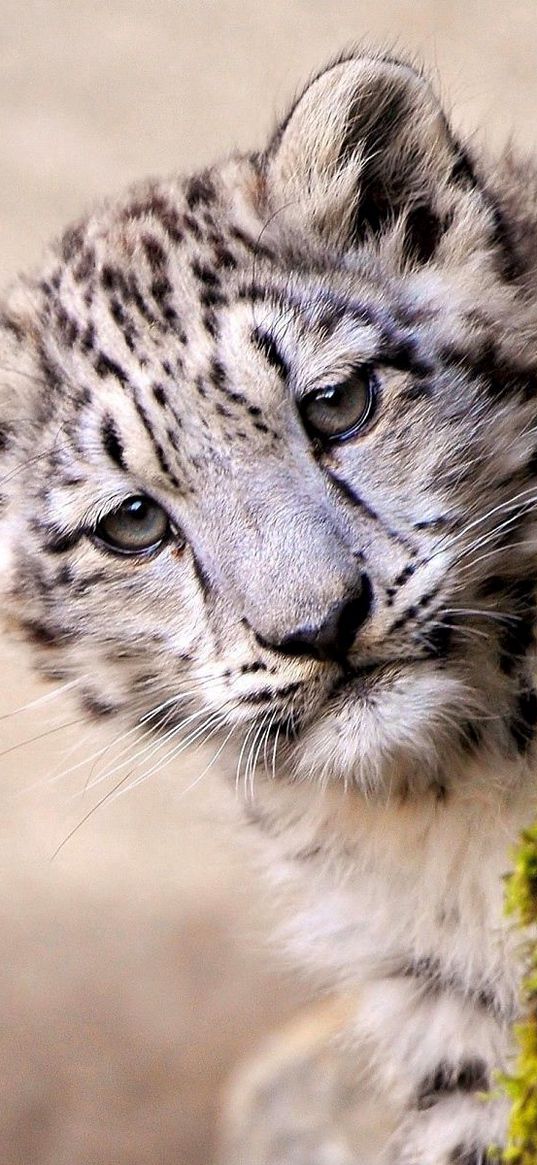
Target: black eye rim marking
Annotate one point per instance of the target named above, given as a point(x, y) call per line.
point(368, 379)
point(106, 542)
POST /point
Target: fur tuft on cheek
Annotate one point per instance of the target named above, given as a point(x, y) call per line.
point(394, 738)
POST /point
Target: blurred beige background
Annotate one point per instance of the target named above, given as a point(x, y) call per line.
point(135, 966)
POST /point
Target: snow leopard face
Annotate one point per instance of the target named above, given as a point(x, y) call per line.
point(269, 450)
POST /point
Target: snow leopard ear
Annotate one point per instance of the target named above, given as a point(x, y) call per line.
point(367, 148)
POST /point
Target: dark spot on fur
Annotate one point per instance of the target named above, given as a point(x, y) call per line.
point(192, 225)
point(250, 244)
point(405, 574)
point(117, 312)
point(222, 411)
point(437, 640)
point(84, 583)
point(159, 451)
point(433, 524)
point(268, 346)
point(109, 278)
point(64, 576)
point(160, 290)
point(501, 377)
point(423, 232)
point(157, 205)
point(112, 444)
point(471, 1076)
point(88, 338)
point(210, 324)
point(43, 635)
point(218, 375)
point(223, 257)
point(171, 317)
point(85, 265)
point(95, 707)
point(268, 695)
point(155, 253)
point(71, 243)
point(60, 541)
point(522, 726)
point(105, 366)
point(253, 292)
point(159, 394)
point(67, 326)
point(11, 325)
point(205, 274)
point(427, 598)
point(430, 975)
point(200, 189)
point(139, 302)
point(172, 438)
point(210, 297)
point(465, 1156)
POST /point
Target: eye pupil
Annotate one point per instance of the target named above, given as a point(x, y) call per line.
point(340, 411)
point(331, 396)
point(137, 526)
point(137, 508)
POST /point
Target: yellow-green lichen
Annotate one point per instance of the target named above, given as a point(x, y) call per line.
point(521, 1086)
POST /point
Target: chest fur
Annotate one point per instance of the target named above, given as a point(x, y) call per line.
point(384, 890)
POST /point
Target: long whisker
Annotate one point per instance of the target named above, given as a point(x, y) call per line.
point(46, 698)
point(468, 566)
point(151, 746)
point(111, 793)
point(254, 753)
point(42, 735)
point(170, 704)
point(484, 539)
point(499, 616)
point(251, 728)
point(214, 724)
point(273, 719)
point(97, 755)
point(213, 761)
point(522, 500)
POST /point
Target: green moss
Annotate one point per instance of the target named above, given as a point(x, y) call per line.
point(521, 1086)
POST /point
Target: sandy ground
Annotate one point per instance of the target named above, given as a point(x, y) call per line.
point(136, 968)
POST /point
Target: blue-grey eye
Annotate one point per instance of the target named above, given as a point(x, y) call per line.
point(339, 411)
point(137, 526)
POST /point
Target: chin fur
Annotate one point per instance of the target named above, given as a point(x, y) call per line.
point(399, 732)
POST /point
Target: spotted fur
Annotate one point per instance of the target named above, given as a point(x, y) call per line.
point(356, 617)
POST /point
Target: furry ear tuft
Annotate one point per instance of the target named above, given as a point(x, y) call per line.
point(367, 146)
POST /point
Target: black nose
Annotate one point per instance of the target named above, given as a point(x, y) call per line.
point(333, 638)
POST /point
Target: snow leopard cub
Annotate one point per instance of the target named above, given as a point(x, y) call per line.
point(269, 438)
